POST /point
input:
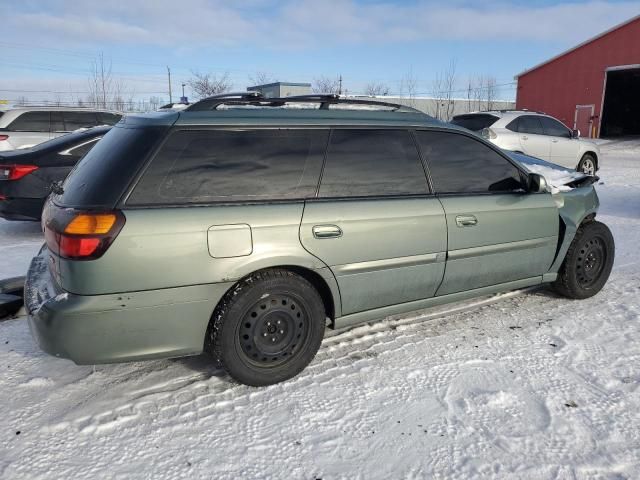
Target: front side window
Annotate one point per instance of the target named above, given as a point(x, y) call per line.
point(203, 166)
point(460, 164)
point(364, 163)
point(530, 124)
point(554, 128)
point(31, 122)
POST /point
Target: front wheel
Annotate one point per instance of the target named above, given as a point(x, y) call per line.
point(587, 164)
point(588, 262)
point(267, 328)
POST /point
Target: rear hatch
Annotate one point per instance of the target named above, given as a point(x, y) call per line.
point(81, 219)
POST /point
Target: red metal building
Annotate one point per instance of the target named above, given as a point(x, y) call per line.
point(593, 87)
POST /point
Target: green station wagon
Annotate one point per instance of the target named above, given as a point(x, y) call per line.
point(243, 227)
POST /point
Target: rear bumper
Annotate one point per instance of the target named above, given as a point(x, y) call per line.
point(21, 208)
point(117, 327)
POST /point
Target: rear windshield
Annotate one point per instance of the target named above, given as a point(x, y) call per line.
point(103, 175)
point(475, 122)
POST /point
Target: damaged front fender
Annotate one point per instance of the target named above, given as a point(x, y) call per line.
point(574, 207)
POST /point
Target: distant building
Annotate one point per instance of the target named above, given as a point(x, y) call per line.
point(281, 89)
point(593, 87)
point(438, 108)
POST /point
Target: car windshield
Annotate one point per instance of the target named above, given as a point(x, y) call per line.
point(475, 122)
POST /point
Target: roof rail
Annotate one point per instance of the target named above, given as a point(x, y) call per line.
point(256, 98)
point(212, 102)
point(504, 110)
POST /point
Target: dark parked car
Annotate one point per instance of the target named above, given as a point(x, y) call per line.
point(26, 175)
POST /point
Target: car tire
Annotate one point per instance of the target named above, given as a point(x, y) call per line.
point(12, 286)
point(588, 262)
point(588, 164)
point(9, 305)
point(267, 328)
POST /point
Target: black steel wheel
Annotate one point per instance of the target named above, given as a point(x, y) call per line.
point(273, 329)
point(588, 262)
point(267, 328)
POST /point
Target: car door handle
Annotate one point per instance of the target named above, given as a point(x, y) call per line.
point(554, 140)
point(466, 221)
point(524, 137)
point(326, 231)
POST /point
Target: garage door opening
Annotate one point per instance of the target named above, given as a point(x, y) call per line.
point(621, 108)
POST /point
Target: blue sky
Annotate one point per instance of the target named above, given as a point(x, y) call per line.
point(48, 46)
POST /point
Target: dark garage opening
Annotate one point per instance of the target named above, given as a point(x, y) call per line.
point(621, 109)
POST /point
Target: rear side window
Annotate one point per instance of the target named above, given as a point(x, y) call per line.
point(372, 163)
point(31, 122)
point(83, 148)
point(105, 118)
point(460, 164)
point(554, 128)
point(475, 122)
point(530, 124)
point(103, 175)
point(76, 120)
point(202, 166)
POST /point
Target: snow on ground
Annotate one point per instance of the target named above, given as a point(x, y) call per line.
point(521, 385)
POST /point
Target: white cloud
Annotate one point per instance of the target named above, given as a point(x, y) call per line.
point(312, 23)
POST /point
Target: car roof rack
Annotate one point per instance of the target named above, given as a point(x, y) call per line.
point(506, 110)
point(257, 99)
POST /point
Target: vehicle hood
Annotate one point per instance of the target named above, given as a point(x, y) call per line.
point(559, 178)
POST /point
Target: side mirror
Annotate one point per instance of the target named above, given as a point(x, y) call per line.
point(575, 133)
point(537, 183)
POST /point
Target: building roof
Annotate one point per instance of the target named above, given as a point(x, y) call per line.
point(282, 84)
point(580, 45)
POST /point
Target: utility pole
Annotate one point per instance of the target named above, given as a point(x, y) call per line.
point(340, 85)
point(169, 74)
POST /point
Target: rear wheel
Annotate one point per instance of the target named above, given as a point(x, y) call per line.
point(588, 262)
point(587, 164)
point(268, 328)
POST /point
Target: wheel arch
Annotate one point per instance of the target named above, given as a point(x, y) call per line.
point(322, 280)
point(593, 154)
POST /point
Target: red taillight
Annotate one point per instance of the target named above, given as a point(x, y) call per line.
point(80, 235)
point(78, 247)
point(15, 172)
point(4, 137)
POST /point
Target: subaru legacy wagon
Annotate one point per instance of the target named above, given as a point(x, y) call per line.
point(243, 227)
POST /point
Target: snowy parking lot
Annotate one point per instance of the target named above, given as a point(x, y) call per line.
point(520, 385)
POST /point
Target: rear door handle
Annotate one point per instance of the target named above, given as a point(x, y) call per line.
point(524, 137)
point(466, 221)
point(554, 140)
point(326, 231)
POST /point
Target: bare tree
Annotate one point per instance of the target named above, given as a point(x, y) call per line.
point(100, 82)
point(491, 92)
point(261, 78)
point(207, 84)
point(154, 103)
point(449, 83)
point(105, 91)
point(409, 85)
point(376, 89)
point(326, 85)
